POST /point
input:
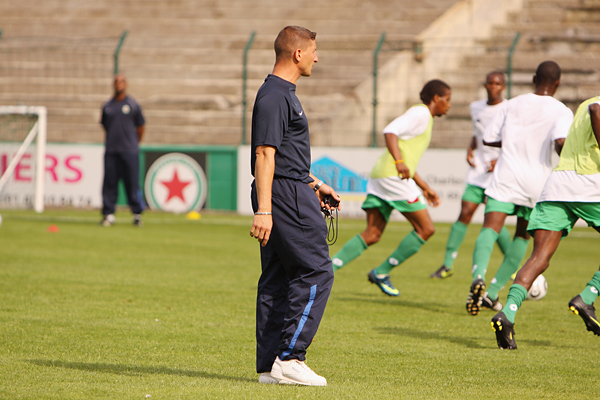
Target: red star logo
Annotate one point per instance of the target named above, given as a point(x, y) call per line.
point(175, 187)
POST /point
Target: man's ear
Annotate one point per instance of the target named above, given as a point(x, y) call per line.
point(297, 55)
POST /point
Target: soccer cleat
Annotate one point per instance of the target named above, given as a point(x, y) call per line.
point(487, 302)
point(137, 220)
point(265, 377)
point(108, 220)
point(442, 272)
point(475, 295)
point(505, 332)
point(385, 284)
point(587, 312)
point(295, 372)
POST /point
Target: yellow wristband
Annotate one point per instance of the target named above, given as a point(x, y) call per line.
point(398, 161)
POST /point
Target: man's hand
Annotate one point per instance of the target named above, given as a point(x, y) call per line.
point(432, 198)
point(492, 165)
point(326, 190)
point(403, 171)
point(261, 228)
point(470, 158)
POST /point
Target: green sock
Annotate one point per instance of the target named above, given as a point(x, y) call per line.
point(407, 247)
point(590, 293)
point(516, 295)
point(512, 259)
point(457, 235)
point(351, 250)
point(483, 250)
point(504, 240)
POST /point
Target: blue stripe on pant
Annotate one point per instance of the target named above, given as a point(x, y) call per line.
point(296, 278)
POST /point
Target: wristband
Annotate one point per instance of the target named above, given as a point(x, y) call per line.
point(398, 161)
point(263, 213)
point(318, 185)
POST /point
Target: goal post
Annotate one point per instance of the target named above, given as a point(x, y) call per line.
point(21, 134)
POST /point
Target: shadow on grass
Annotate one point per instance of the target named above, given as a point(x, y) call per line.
point(432, 306)
point(424, 335)
point(133, 370)
point(463, 341)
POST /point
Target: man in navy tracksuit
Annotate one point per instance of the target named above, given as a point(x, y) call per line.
point(297, 274)
point(123, 122)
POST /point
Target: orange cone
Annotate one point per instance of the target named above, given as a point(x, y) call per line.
point(53, 228)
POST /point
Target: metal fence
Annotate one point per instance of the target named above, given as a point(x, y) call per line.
point(71, 77)
point(196, 94)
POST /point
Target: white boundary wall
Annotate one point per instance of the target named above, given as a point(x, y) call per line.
point(72, 177)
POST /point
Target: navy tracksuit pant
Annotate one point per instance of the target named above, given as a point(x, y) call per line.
point(124, 166)
point(297, 275)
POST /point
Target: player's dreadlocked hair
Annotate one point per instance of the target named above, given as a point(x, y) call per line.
point(432, 88)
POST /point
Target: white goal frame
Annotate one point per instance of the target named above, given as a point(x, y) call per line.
point(38, 130)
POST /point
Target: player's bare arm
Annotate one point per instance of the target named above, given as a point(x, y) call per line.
point(262, 224)
point(140, 132)
point(594, 111)
point(432, 197)
point(323, 191)
point(391, 142)
point(470, 155)
point(558, 145)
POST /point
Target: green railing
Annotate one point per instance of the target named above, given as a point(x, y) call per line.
point(245, 84)
point(375, 59)
point(509, 68)
point(117, 51)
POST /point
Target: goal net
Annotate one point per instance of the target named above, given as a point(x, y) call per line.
point(22, 156)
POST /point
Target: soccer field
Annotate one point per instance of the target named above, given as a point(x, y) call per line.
point(167, 312)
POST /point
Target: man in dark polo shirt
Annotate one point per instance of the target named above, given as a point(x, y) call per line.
point(123, 123)
point(297, 274)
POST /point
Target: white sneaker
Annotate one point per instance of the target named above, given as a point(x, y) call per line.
point(108, 220)
point(265, 377)
point(294, 372)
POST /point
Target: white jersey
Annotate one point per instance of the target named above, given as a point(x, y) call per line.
point(481, 115)
point(571, 186)
point(394, 189)
point(527, 126)
point(410, 124)
point(407, 126)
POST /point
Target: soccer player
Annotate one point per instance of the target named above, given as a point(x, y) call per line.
point(480, 174)
point(572, 191)
point(394, 185)
point(527, 129)
point(296, 274)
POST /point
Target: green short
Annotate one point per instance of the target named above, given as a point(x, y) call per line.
point(494, 205)
point(386, 207)
point(474, 194)
point(561, 216)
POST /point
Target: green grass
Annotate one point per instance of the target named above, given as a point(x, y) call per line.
point(168, 311)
